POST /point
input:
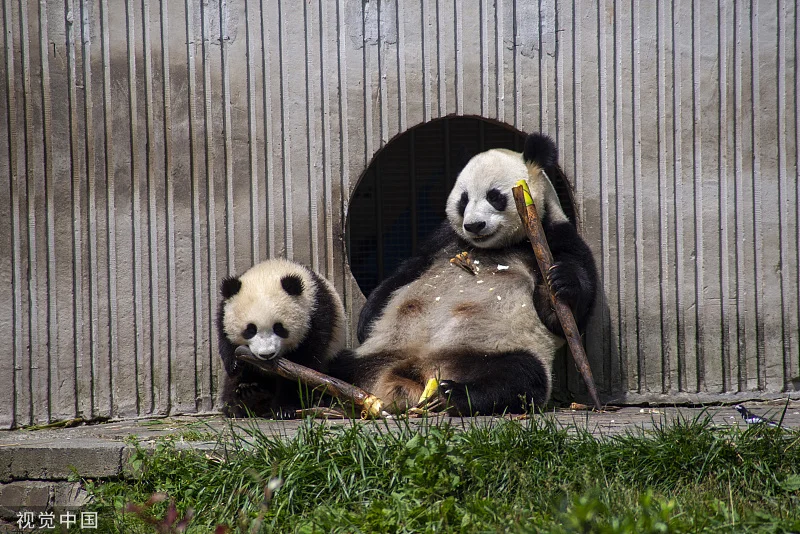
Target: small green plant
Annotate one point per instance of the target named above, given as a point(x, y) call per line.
point(653, 515)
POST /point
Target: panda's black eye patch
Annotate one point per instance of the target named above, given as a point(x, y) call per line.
point(497, 199)
point(462, 203)
point(292, 284)
point(249, 331)
point(280, 331)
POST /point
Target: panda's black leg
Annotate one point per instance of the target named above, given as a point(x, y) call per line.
point(495, 383)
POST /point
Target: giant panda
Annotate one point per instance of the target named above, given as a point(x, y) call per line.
point(490, 338)
point(276, 308)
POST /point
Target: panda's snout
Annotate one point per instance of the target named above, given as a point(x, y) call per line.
point(475, 227)
point(265, 346)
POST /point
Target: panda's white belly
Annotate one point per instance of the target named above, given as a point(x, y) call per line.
point(447, 308)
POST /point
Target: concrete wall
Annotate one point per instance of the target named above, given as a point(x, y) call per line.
point(149, 148)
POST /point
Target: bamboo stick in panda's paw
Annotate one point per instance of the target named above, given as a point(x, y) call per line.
point(370, 405)
point(533, 227)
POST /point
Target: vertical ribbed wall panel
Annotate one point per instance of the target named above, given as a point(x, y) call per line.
point(149, 148)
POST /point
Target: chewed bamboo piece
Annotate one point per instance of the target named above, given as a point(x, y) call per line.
point(371, 406)
point(464, 260)
point(533, 226)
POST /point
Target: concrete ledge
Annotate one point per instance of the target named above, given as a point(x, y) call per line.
point(103, 450)
point(88, 458)
point(39, 496)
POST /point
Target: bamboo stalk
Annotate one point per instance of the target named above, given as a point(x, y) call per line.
point(533, 226)
point(371, 406)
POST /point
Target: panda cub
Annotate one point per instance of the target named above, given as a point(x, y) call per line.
point(276, 308)
point(490, 337)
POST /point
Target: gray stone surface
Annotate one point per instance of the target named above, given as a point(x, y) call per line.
point(58, 460)
point(24, 495)
point(39, 496)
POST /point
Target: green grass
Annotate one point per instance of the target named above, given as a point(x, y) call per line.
point(533, 475)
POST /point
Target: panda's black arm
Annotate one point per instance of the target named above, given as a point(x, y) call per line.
point(573, 276)
point(408, 271)
point(226, 352)
point(226, 348)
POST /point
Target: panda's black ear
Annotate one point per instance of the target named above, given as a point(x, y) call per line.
point(230, 286)
point(292, 284)
point(541, 150)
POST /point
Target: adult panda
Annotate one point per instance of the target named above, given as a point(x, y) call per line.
point(490, 337)
point(276, 308)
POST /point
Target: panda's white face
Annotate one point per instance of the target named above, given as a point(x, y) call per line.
point(481, 207)
point(271, 312)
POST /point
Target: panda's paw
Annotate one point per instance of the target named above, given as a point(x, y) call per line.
point(284, 414)
point(456, 396)
point(234, 410)
point(248, 389)
point(565, 281)
point(231, 365)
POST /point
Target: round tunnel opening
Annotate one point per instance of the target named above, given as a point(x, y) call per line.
point(400, 198)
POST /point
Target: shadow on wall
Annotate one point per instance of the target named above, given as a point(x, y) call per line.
point(400, 199)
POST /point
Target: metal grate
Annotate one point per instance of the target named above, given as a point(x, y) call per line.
point(401, 197)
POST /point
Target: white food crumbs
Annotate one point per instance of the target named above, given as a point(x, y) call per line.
point(491, 289)
point(476, 262)
point(524, 305)
point(501, 267)
point(499, 297)
point(461, 291)
point(480, 281)
point(437, 299)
